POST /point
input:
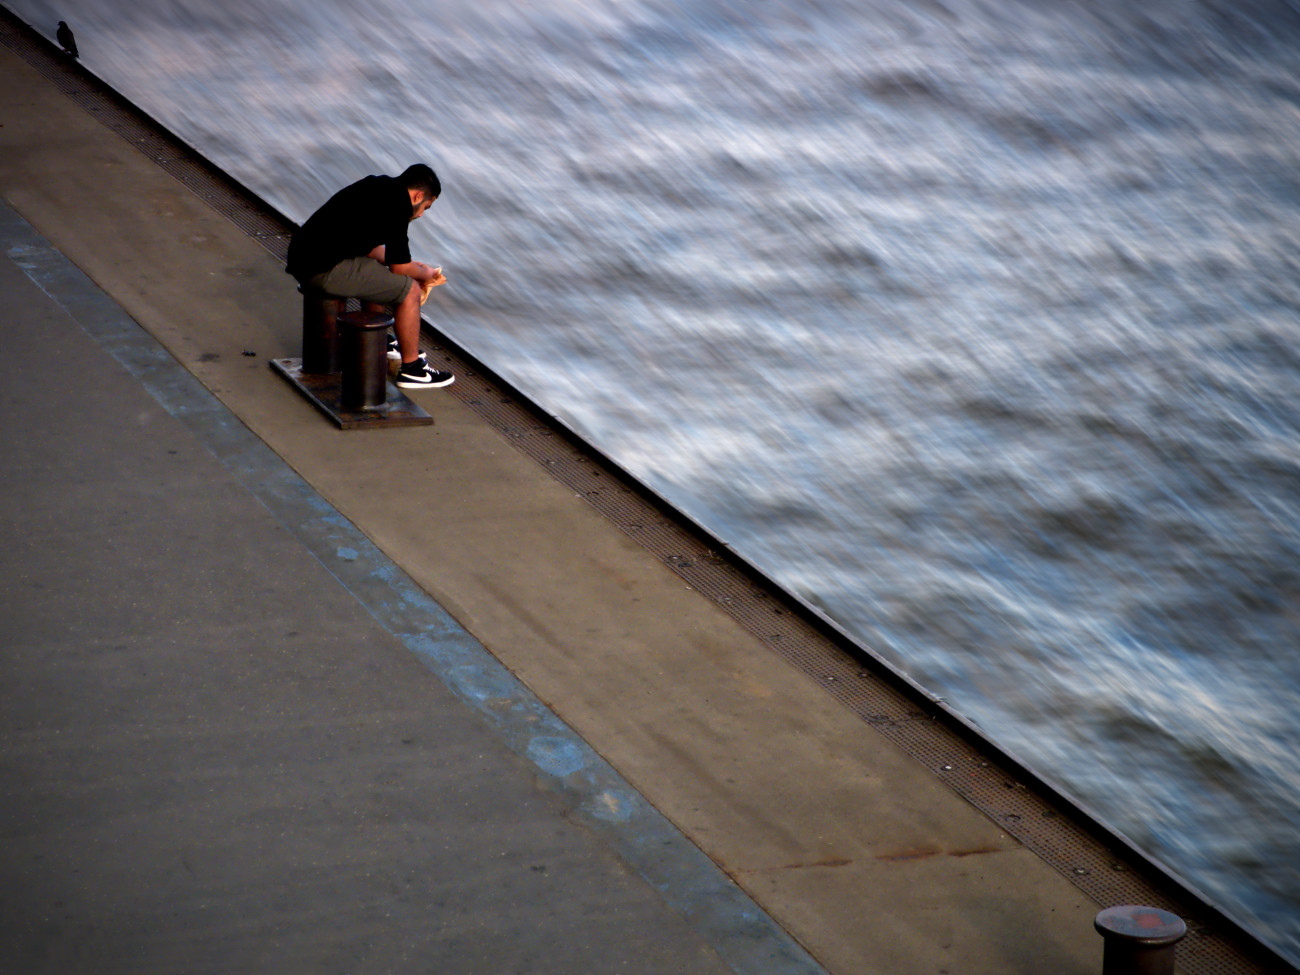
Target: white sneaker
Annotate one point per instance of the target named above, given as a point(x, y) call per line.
point(420, 375)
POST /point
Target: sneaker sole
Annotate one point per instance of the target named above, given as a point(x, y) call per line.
point(416, 384)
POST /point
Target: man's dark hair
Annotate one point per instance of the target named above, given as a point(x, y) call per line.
point(421, 177)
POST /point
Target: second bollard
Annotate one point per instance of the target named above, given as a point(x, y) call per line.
point(320, 343)
point(1139, 940)
point(363, 351)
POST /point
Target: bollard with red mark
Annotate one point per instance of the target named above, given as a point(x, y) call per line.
point(320, 340)
point(1139, 940)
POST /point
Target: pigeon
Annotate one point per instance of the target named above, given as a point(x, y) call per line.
point(66, 41)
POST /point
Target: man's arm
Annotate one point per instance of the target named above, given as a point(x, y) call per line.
point(424, 274)
point(427, 276)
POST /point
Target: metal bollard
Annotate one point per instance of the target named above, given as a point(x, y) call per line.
point(1139, 940)
point(320, 331)
point(364, 354)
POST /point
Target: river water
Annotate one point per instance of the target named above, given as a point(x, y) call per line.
point(974, 322)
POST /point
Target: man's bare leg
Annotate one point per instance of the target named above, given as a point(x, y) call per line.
point(406, 323)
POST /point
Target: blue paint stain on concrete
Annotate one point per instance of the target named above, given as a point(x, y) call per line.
point(560, 757)
point(482, 684)
point(613, 805)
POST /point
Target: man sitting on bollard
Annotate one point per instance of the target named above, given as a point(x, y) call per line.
point(356, 246)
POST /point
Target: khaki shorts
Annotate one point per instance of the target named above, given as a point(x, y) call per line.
point(364, 278)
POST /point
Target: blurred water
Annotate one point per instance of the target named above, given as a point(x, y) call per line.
point(973, 322)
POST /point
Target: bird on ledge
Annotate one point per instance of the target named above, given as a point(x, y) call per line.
point(66, 41)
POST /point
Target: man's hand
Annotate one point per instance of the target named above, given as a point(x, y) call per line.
point(435, 276)
point(430, 279)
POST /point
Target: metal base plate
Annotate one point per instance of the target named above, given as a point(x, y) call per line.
point(325, 392)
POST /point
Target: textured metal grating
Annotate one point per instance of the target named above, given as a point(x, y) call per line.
point(1096, 861)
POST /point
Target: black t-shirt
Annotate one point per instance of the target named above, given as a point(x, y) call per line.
point(352, 223)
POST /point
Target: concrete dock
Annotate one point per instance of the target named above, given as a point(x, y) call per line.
point(282, 698)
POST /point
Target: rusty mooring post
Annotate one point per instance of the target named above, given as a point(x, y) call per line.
point(320, 331)
point(363, 349)
point(1139, 940)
